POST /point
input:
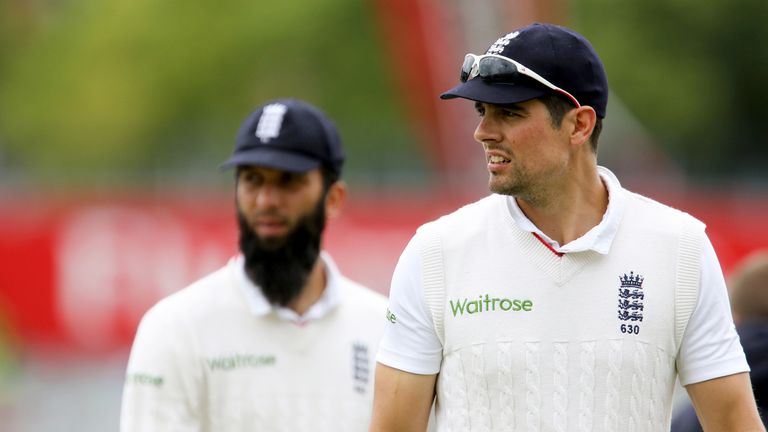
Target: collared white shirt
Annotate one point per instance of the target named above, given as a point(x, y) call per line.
point(600, 237)
point(414, 347)
point(260, 306)
point(215, 356)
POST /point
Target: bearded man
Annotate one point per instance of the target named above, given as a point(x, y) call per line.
point(277, 339)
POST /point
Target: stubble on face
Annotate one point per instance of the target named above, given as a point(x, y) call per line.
point(536, 163)
point(514, 180)
point(522, 182)
point(534, 187)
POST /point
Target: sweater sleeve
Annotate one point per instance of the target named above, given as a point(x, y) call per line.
point(162, 388)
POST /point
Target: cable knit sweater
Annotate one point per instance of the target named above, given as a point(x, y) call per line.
point(535, 341)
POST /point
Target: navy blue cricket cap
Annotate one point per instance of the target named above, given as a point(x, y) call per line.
point(560, 55)
point(289, 135)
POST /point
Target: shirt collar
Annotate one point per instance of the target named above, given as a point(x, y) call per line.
point(259, 305)
point(600, 237)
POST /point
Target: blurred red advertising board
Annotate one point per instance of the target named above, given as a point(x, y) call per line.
point(79, 274)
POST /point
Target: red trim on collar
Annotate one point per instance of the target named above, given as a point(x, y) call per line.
point(544, 242)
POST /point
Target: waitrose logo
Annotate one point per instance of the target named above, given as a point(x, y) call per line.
point(239, 361)
point(486, 303)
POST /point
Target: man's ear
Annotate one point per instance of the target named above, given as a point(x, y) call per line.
point(335, 199)
point(583, 124)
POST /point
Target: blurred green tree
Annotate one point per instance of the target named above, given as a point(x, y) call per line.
point(693, 72)
point(114, 91)
point(102, 90)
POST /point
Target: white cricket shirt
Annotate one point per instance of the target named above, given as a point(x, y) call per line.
point(710, 347)
point(216, 356)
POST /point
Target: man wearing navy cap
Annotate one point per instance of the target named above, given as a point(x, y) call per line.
point(278, 339)
point(561, 302)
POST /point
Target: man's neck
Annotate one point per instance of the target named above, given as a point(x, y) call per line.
point(572, 211)
point(312, 291)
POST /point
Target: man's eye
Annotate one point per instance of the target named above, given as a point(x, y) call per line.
point(251, 178)
point(479, 108)
point(291, 179)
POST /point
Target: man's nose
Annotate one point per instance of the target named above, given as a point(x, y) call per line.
point(487, 130)
point(268, 196)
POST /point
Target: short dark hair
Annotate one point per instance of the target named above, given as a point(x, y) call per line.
point(748, 283)
point(558, 105)
point(330, 176)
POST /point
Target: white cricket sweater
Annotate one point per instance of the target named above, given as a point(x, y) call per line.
point(535, 341)
point(203, 360)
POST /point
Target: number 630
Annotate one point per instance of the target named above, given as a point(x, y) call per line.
point(630, 328)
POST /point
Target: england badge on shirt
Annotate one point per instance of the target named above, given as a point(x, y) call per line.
point(631, 302)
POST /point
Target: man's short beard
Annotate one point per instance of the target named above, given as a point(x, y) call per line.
point(525, 185)
point(281, 267)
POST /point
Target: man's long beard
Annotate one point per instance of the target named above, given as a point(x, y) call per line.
point(281, 268)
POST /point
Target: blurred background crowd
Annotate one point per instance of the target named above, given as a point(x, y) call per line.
point(114, 116)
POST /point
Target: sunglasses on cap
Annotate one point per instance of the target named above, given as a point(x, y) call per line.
point(497, 68)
